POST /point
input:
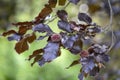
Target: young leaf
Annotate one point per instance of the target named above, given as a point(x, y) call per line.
point(84, 17)
point(21, 46)
point(74, 1)
point(62, 2)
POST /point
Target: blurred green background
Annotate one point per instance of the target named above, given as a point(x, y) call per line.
point(15, 67)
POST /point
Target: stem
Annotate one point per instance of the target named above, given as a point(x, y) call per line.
point(55, 16)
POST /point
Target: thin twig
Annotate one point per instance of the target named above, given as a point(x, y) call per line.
point(111, 27)
point(55, 16)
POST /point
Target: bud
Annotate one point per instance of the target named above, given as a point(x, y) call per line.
point(84, 53)
point(55, 37)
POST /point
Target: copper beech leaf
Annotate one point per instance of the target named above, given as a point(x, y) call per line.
point(23, 29)
point(23, 23)
point(9, 32)
point(52, 3)
point(35, 53)
point(45, 12)
point(62, 2)
point(21, 46)
point(31, 38)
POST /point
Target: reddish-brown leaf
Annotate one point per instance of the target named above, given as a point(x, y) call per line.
point(31, 38)
point(52, 3)
point(36, 59)
point(45, 12)
point(9, 32)
point(35, 53)
point(23, 23)
point(21, 46)
point(23, 29)
point(62, 2)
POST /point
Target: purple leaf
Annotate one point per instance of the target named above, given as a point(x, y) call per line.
point(81, 76)
point(77, 47)
point(50, 52)
point(42, 28)
point(68, 41)
point(84, 17)
point(74, 1)
point(88, 64)
point(64, 26)
point(94, 71)
point(62, 14)
point(14, 37)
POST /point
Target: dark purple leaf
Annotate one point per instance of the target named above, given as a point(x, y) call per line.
point(77, 47)
point(94, 71)
point(81, 76)
point(62, 14)
point(74, 1)
point(87, 64)
point(14, 37)
point(64, 26)
point(41, 62)
point(68, 41)
point(84, 17)
point(42, 28)
point(50, 52)
point(102, 58)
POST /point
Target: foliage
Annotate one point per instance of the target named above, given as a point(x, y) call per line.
point(71, 37)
